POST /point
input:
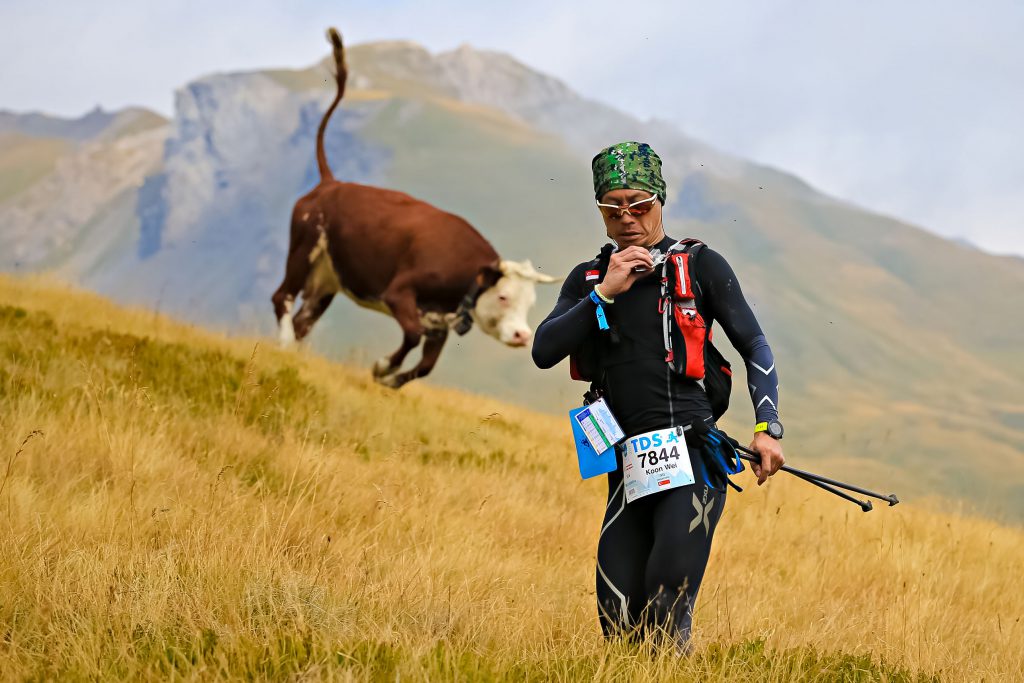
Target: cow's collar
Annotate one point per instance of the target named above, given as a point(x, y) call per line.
point(463, 322)
point(485, 279)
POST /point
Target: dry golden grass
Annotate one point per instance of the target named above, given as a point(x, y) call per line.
point(194, 509)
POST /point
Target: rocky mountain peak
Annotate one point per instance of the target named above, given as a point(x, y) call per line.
point(501, 81)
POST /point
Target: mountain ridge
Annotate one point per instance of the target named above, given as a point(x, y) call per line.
point(92, 124)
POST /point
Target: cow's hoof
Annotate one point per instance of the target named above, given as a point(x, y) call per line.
point(382, 368)
point(286, 331)
point(392, 381)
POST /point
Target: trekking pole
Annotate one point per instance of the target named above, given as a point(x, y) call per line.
point(865, 505)
point(891, 499)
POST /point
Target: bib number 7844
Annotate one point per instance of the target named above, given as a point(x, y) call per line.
point(655, 461)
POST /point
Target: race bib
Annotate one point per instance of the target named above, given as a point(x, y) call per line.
point(655, 461)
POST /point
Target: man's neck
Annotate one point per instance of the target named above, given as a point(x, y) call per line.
point(665, 240)
point(657, 240)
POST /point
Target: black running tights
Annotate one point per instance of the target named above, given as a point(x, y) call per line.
point(651, 558)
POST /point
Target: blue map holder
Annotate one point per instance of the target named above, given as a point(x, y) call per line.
point(591, 462)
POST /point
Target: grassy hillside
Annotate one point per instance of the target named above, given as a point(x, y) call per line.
point(174, 503)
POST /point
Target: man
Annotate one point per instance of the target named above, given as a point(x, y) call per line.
point(653, 551)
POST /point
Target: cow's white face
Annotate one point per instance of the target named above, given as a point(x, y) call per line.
point(501, 309)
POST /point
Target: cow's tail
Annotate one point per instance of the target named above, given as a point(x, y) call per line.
point(341, 75)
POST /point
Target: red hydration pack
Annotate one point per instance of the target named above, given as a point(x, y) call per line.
point(684, 328)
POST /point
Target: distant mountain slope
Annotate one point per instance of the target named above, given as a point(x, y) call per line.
point(898, 350)
point(25, 160)
point(62, 183)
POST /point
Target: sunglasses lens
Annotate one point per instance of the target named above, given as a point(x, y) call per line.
point(641, 209)
point(610, 211)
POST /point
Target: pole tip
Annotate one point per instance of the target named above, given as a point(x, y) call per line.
point(893, 500)
point(866, 506)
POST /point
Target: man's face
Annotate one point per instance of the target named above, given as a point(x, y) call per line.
point(627, 230)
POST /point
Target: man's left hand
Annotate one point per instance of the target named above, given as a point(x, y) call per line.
point(772, 459)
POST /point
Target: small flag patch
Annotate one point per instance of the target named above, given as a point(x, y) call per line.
point(664, 482)
point(593, 274)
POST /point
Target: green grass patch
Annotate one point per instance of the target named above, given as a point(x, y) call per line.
point(40, 358)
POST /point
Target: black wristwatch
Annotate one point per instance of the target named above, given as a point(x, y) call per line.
point(772, 428)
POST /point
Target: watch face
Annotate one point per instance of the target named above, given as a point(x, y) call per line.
point(775, 430)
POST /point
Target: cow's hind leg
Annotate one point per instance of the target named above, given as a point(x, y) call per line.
point(321, 285)
point(435, 339)
point(284, 301)
point(296, 272)
point(312, 308)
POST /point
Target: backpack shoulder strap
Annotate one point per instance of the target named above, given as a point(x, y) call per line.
point(690, 245)
point(693, 247)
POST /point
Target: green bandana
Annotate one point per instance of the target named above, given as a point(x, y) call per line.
point(631, 165)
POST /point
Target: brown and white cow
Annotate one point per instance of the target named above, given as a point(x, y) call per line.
point(387, 251)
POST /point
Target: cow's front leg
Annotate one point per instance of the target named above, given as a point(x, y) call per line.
point(435, 340)
point(403, 308)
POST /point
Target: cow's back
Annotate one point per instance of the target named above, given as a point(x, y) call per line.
point(377, 237)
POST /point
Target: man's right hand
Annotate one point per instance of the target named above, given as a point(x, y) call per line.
point(621, 276)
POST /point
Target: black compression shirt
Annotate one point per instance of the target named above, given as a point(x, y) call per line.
point(641, 390)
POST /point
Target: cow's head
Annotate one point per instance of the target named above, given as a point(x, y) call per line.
point(506, 296)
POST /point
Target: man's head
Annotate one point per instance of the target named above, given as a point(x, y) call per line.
point(507, 296)
point(630, 193)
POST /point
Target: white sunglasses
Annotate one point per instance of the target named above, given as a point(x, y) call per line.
point(637, 208)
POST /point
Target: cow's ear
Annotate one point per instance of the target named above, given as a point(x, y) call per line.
point(488, 276)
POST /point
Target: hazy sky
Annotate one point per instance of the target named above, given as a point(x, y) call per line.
point(910, 107)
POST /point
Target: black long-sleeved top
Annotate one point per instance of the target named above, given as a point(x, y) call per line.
point(640, 388)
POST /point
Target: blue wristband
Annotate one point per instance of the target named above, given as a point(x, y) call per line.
point(602, 321)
